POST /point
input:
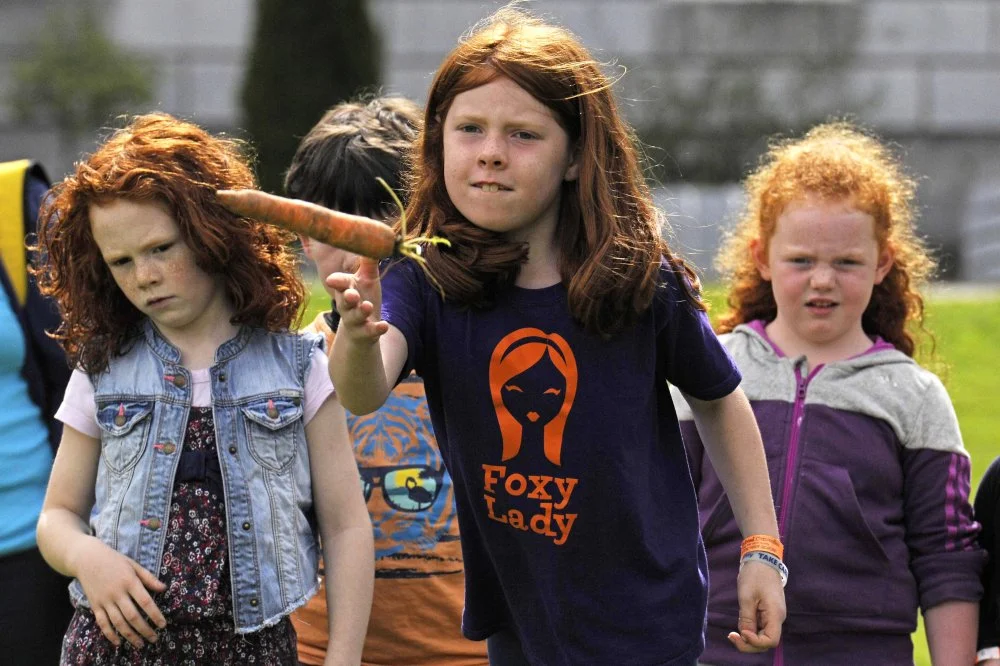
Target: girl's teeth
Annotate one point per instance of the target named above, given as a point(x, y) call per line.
point(491, 187)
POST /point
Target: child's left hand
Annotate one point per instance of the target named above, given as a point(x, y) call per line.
point(762, 608)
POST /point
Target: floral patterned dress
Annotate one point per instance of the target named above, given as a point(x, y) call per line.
point(197, 603)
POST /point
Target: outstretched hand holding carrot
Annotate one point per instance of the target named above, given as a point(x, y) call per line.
point(358, 298)
point(368, 354)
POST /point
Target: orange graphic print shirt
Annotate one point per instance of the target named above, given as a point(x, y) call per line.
point(419, 579)
point(578, 515)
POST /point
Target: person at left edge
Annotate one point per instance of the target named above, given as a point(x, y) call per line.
point(34, 608)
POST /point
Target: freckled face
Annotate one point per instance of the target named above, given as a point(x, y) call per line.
point(505, 160)
point(155, 269)
point(823, 262)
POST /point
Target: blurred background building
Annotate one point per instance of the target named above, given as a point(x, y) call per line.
point(704, 81)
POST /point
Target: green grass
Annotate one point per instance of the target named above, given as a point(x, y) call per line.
point(964, 330)
point(319, 301)
point(966, 357)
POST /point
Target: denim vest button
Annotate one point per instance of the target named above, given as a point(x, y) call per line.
point(168, 448)
point(296, 402)
point(232, 449)
point(222, 376)
point(253, 602)
point(180, 381)
point(246, 526)
point(152, 523)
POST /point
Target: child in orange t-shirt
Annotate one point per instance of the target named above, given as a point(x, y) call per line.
point(419, 576)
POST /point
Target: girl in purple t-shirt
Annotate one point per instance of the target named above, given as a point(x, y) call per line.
point(547, 336)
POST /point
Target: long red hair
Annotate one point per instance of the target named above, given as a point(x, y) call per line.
point(835, 161)
point(609, 231)
point(158, 158)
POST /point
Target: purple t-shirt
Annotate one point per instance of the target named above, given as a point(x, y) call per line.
point(577, 512)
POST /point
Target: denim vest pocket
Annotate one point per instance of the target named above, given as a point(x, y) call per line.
point(271, 426)
point(124, 426)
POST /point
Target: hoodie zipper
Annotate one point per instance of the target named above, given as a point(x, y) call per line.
point(793, 448)
point(791, 464)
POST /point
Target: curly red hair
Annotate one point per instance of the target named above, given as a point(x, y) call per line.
point(159, 158)
point(834, 161)
point(609, 231)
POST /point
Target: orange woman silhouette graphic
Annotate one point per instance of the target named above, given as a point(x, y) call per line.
point(533, 381)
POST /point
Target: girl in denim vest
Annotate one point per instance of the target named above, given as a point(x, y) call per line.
point(203, 446)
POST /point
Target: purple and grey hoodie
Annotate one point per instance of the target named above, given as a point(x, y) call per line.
point(871, 488)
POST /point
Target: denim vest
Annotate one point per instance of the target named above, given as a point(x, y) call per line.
point(143, 400)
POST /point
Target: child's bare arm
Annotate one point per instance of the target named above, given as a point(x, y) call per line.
point(367, 354)
point(951, 632)
point(732, 440)
point(115, 585)
point(345, 531)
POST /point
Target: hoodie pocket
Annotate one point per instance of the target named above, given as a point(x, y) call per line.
point(272, 428)
point(124, 427)
point(838, 564)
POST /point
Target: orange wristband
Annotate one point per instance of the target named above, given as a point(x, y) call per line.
point(764, 544)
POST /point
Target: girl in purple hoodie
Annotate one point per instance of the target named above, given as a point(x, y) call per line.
point(867, 467)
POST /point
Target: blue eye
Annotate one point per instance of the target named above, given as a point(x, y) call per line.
point(162, 248)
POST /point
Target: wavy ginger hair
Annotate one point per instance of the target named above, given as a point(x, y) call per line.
point(160, 160)
point(609, 231)
point(834, 161)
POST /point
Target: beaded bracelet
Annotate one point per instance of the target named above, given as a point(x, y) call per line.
point(768, 559)
point(763, 543)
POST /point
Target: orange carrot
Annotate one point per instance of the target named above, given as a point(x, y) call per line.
point(354, 233)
